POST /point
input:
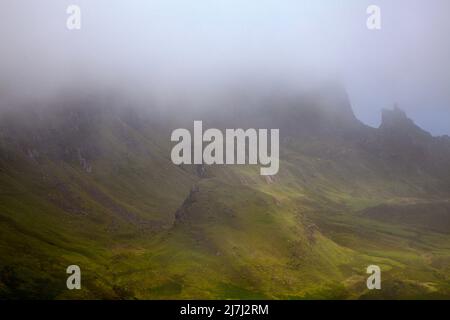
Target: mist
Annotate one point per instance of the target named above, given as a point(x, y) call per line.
point(171, 49)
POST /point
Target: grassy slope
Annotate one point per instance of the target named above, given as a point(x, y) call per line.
point(238, 235)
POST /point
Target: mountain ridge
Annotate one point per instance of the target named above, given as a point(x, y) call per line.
point(93, 184)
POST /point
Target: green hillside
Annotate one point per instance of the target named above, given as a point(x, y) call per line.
point(94, 186)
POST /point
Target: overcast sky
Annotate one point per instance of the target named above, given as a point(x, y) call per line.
point(169, 43)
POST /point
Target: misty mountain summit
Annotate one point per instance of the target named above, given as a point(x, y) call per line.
point(397, 120)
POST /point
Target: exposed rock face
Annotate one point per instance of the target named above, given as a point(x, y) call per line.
point(84, 162)
point(394, 118)
point(182, 212)
point(395, 121)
